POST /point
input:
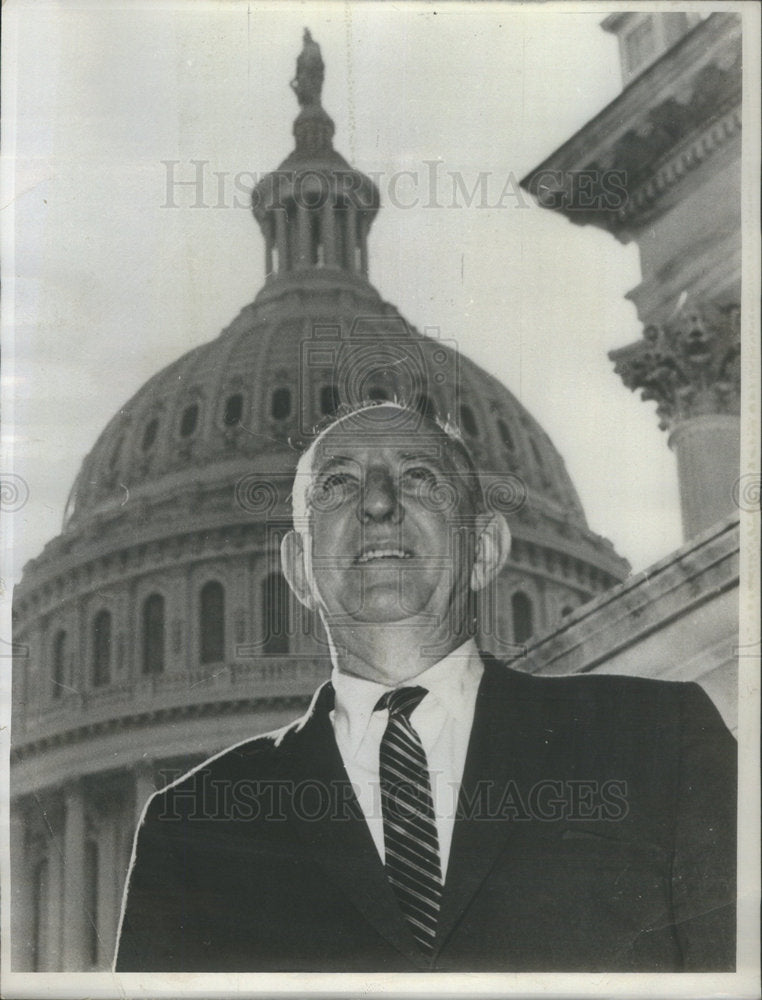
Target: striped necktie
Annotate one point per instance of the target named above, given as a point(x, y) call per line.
point(410, 832)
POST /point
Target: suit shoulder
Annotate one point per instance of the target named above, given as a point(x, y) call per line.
point(622, 691)
point(256, 758)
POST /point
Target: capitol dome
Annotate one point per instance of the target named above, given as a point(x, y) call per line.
point(246, 402)
point(159, 626)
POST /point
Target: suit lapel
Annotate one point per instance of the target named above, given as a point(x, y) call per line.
point(495, 753)
point(343, 846)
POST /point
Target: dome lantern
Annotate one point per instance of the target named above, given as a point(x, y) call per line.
point(315, 210)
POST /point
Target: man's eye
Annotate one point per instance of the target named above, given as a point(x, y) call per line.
point(333, 489)
point(338, 479)
point(419, 474)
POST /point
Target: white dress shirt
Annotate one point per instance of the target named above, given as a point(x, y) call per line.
point(443, 721)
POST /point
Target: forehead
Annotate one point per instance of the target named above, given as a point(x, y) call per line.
point(369, 445)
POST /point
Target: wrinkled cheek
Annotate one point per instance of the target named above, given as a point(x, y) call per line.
point(338, 590)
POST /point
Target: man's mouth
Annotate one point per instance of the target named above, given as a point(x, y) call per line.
point(377, 554)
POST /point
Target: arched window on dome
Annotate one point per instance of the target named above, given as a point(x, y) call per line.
point(468, 421)
point(91, 900)
point(101, 648)
point(189, 420)
point(58, 674)
point(233, 412)
point(521, 608)
point(329, 399)
point(275, 613)
point(41, 905)
point(149, 434)
point(153, 634)
point(280, 408)
point(378, 394)
point(505, 434)
point(212, 622)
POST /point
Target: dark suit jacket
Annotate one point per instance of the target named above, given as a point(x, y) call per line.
point(596, 831)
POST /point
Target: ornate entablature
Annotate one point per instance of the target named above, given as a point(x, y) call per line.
point(621, 169)
point(690, 365)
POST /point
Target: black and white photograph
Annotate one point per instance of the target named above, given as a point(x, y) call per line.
point(380, 498)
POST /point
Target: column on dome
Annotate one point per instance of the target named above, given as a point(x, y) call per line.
point(304, 237)
point(82, 675)
point(351, 238)
point(281, 238)
point(21, 892)
point(133, 666)
point(74, 895)
point(269, 243)
point(691, 367)
point(328, 224)
point(363, 238)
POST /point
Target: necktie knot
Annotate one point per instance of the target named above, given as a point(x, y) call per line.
point(401, 701)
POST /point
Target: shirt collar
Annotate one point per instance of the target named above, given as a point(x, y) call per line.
point(447, 681)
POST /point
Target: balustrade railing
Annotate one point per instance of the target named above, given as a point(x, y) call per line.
point(281, 676)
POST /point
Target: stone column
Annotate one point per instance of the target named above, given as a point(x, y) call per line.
point(52, 961)
point(22, 900)
point(351, 238)
point(691, 367)
point(329, 233)
point(304, 237)
point(269, 249)
point(281, 239)
point(363, 220)
point(108, 893)
point(708, 463)
point(74, 895)
point(144, 788)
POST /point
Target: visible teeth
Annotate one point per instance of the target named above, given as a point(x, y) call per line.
point(383, 554)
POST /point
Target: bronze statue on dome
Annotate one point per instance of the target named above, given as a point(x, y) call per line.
point(310, 70)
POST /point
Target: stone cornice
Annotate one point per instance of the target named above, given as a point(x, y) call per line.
point(698, 572)
point(121, 560)
point(690, 365)
point(615, 172)
point(47, 762)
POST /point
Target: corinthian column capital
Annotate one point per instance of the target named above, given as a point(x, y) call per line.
point(690, 365)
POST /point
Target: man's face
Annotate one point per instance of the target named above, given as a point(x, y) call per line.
point(391, 526)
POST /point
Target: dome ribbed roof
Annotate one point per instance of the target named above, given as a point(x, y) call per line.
point(248, 398)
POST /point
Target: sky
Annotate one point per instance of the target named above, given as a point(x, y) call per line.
point(116, 274)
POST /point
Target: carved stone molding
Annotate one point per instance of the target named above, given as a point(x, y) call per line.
point(690, 365)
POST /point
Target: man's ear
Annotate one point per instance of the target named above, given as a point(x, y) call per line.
point(295, 568)
point(492, 548)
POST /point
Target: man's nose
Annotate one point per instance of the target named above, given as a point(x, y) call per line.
point(380, 498)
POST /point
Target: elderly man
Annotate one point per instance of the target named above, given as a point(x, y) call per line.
point(436, 810)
